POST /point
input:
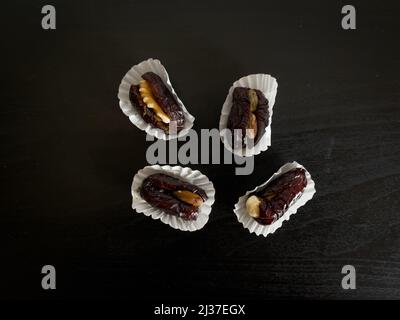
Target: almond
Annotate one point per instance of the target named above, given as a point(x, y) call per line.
point(189, 197)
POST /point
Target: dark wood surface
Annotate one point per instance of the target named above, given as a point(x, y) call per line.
point(69, 154)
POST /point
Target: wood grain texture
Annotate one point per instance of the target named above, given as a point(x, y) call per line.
point(69, 154)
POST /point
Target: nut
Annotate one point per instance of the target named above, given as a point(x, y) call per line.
point(251, 131)
point(189, 197)
point(253, 98)
point(151, 103)
point(253, 206)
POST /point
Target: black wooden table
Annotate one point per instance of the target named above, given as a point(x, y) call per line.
point(69, 154)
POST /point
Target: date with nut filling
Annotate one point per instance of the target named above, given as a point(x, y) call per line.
point(249, 111)
point(173, 196)
point(268, 205)
point(155, 103)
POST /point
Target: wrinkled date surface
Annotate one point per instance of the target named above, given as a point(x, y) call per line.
point(155, 103)
point(269, 204)
point(249, 111)
point(172, 195)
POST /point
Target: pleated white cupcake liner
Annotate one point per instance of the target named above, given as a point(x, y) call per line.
point(252, 225)
point(269, 87)
point(133, 76)
point(194, 177)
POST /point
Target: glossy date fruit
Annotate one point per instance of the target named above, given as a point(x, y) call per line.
point(155, 103)
point(268, 205)
point(249, 111)
point(173, 195)
point(147, 114)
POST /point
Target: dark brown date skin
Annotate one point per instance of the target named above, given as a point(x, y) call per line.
point(147, 114)
point(276, 197)
point(239, 116)
point(158, 190)
point(165, 99)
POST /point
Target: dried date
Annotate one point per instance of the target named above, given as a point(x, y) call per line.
point(269, 204)
point(147, 114)
point(173, 195)
point(155, 103)
point(249, 112)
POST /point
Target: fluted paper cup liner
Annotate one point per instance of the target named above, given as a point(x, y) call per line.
point(194, 177)
point(133, 76)
point(252, 225)
point(269, 87)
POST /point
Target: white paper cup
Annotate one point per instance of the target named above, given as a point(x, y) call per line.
point(269, 87)
point(186, 174)
point(133, 76)
point(252, 225)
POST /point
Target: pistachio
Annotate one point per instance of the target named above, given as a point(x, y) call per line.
point(253, 206)
point(253, 98)
point(189, 197)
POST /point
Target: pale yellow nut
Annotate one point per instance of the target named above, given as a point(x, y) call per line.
point(252, 129)
point(145, 90)
point(253, 206)
point(148, 99)
point(253, 98)
point(189, 197)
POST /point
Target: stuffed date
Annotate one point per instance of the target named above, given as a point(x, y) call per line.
point(268, 205)
point(155, 103)
point(249, 116)
point(173, 195)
